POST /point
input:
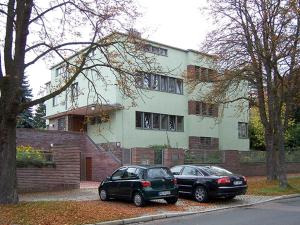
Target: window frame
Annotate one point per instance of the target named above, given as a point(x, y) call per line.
point(240, 131)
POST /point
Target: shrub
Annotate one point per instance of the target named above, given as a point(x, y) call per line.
point(28, 156)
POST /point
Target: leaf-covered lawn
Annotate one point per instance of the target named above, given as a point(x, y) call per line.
point(72, 212)
point(84, 212)
point(260, 186)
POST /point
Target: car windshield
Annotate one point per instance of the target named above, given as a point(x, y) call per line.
point(159, 173)
point(213, 170)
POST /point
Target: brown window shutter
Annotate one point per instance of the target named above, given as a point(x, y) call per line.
point(192, 107)
point(191, 72)
point(215, 110)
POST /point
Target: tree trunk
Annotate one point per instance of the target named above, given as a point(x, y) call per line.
point(8, 177)
point(283, 183)
point(271, 162)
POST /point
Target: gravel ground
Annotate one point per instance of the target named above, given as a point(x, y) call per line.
point(90, 194)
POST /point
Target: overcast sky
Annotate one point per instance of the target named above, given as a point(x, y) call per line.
point(177, 23)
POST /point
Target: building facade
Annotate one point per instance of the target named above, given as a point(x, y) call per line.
point(167, 112)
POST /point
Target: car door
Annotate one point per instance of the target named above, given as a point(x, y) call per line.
point(127, 182)
point(187, 179)
point(114, 182)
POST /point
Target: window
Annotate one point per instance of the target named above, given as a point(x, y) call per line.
point(138, 119)
point(62, 72)
point(74, 91)
point(163, 83)
point(164, 122)
point(243, 130)
point(139, 80)
point(54, 101)
point(147, 121)
point(179, 86)
point(158, 121)
point(147, 81)
point(155, 82)
point(159, 173)
point(61, 123)
point(189, 171)
point(156, 50)
point(180, 124)
point(118, 174)
point(197, 109)
point(176, 170)
point(171, 85)
point(130, 173)
point(172, 123)
point(159, 83)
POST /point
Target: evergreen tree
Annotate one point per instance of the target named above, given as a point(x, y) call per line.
point(25, 118)
point(38, 120)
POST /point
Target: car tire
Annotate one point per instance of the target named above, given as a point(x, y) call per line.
point(103, 195)
point(171, 200)
point(200, 194)
point(138, 199)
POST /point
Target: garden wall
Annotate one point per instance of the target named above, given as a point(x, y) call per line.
point(101, 163)
point(65, 174)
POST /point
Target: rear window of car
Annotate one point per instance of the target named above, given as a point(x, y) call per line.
point(213, 170)
point(158, 173)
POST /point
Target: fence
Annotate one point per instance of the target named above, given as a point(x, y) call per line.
point(204, 157)
point(260, 157)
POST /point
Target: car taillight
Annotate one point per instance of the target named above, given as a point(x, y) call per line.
point(146, 183)
point(245, 179)
point(223, 180)
point(175, 181)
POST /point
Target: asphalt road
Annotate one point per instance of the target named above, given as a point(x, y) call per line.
point(281, 212)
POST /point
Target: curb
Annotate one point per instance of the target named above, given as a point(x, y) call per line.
point(172, 215)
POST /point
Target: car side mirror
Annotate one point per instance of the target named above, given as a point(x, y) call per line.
point(108, 178)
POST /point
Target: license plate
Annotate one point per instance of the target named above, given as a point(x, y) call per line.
point(164, 193)
point(237, 182)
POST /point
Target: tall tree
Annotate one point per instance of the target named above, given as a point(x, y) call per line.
point(257, 42)
point(37, 30)
point(38, 120)
point(25, 118)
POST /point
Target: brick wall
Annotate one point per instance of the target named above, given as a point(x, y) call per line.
point(173, 156)
point(103, 163)
point(65, 174)
point(142, 156)
point(113, 148)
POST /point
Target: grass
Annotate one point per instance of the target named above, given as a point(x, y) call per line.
point(260, 186)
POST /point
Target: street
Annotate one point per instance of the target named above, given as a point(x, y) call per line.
point(281, 212)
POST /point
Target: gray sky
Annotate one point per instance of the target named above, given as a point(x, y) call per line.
point(177, 23)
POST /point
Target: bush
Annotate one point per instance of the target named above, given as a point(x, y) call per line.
point(28, 156)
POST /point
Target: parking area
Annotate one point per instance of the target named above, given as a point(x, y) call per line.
point(88, 192)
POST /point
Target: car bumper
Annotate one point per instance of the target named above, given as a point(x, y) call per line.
point(156, 194)
point(229, 191)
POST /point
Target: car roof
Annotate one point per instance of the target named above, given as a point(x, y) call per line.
point(144, 166)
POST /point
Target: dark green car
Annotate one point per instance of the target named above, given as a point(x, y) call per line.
point(140, 184)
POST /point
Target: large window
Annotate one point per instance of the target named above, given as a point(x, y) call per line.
point(156, 50)
point(159, 83)
point(156, 121)
point(243, 130)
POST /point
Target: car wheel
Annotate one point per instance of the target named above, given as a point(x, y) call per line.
point(103, 195)
point(200, 194)
point(138, 199)
point(172, 200)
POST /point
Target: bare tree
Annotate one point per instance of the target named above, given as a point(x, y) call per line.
point(37, 30)
point(257, 41)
